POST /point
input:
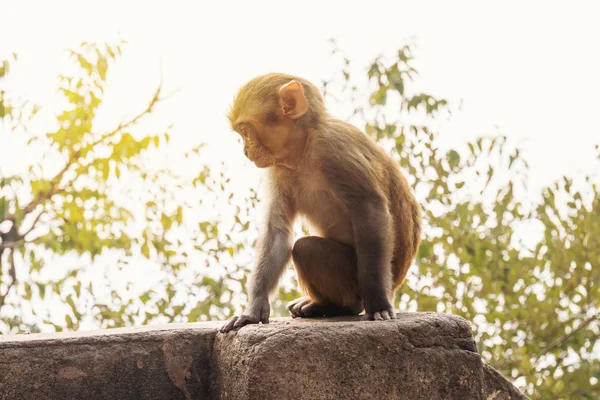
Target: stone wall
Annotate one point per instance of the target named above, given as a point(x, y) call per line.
point(417, 356)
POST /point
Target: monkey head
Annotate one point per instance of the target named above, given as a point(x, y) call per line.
point(272, 113)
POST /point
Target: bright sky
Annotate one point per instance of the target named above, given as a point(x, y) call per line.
point(529, 68)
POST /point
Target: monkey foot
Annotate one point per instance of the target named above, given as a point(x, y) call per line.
point(380, 316)
point(304, 307)
point(385, 314)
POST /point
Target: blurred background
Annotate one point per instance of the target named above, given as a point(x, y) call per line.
point(126, 198)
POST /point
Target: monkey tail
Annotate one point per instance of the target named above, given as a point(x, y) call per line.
point(417, 230)
point(410, 247)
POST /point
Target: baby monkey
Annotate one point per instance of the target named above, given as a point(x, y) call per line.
point(365, 219)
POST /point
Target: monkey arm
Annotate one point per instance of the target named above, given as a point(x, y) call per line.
point(274, 246)
point(273, 253)
point(374, 245)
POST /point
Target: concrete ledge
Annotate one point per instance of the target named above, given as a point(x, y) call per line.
point(417, 356)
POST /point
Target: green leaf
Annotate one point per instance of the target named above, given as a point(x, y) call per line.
point(41, 290)
point(4, 68)
point(453, 159)
point(179, 215)
point(146, 250)
point(28, 293)
point(102, 67)
point(379, 97)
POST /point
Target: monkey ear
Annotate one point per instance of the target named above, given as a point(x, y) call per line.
point(292, 100)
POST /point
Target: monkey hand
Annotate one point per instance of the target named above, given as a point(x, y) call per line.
point(379, 311)
point(257, 312)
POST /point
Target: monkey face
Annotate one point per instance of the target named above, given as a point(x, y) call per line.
point(254, 148)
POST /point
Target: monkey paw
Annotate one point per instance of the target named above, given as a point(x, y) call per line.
point(236, 322)
point(258, 311)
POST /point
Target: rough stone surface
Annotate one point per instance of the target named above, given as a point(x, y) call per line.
point(417, 356)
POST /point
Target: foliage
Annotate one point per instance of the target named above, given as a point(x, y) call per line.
point(534, 309)
point(109, 201)
point(534, 303)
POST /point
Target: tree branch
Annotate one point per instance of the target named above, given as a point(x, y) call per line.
point(33, 224)
point(563, 339)
point(44, 196)
point(74, 157)
point(155, 99)
point(11, 245)
point(13, 274)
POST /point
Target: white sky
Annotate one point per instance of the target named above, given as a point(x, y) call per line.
point(530, 68)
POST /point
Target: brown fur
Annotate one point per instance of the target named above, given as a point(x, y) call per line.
point(364, 216)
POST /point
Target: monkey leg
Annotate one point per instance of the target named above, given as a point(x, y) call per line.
point(328, 275)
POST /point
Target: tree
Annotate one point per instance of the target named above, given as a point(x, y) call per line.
point(106, 197)
point(534, 310)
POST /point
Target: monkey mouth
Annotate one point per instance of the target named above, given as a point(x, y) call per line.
point(263, 159)
point(263, 163)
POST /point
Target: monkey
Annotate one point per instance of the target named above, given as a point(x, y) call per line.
point(364, 217)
